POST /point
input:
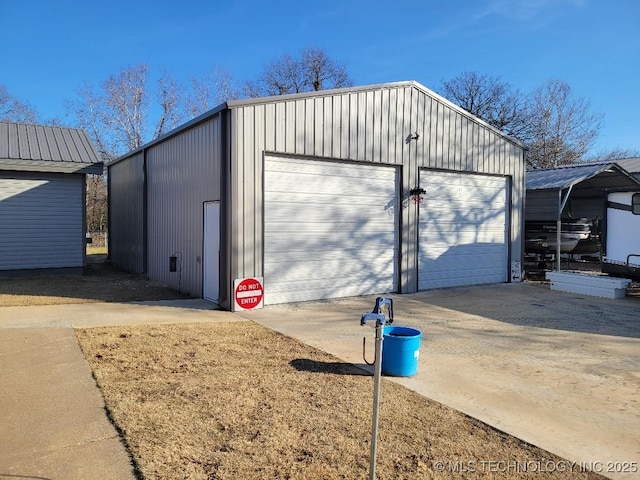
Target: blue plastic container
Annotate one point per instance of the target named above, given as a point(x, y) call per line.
point(400, 351)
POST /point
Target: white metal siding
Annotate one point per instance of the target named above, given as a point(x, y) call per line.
point(462, 230)
point(623, 230)
point(183, 174)
point(41, 220)
point(126, 213)
point(330, 229)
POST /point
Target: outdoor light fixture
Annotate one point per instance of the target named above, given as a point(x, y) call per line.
point(417, 195)
point(412, 136)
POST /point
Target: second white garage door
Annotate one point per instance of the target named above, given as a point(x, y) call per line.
point(330, 229)
point(462, 230)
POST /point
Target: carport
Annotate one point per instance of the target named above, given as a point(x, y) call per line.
point(576, 191)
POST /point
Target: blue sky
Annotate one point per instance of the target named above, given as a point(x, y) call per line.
point(51, 47)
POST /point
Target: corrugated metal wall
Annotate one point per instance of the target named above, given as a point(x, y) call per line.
point(126, 213)
point(372, 125)
point(217, 159)
point(543, 205)
point(183, 172)
point(41, 220)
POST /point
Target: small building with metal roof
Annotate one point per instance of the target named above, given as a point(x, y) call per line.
point(574, 192)
point(42, 197)
point(365, 190)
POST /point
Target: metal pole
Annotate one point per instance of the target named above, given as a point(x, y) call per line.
point(380, 320)
point(559, 230)
point(377, 374)
point(562, 202)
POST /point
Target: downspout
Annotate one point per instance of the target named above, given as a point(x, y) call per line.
point(562, 202)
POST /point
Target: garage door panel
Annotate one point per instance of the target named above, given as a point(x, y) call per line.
point(474, 278)
point(330, 229)
point(448, 273)
point(374, 251)
point(364, 256)
point(344, 212)
point(323, 269)
point(462, 230)
point(465, 204)
point(453, 236)
point(290, 182)
point(280, 292)
point(438, 249)
point(316, 168)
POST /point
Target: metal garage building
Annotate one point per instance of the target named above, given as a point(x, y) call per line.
point(42, 197)
point(384, 188)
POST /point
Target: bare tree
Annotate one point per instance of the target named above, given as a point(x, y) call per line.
point(557, 128)
point(170, 99)
point(211, 91)
point(562, 128)
point(490, 99)
point(96, 200)
point(117, 116)
point(313, 70)
point(614, 154)
point(14, 110)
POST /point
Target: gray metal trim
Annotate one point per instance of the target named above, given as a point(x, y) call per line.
point(50, 166)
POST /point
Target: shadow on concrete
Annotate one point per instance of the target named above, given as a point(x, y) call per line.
point(535, 305)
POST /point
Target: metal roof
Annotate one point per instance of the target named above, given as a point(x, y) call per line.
point(607, 175)
point(47, 149)
point(631, 165)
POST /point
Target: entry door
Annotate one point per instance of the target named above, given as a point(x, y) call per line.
point(211, 252)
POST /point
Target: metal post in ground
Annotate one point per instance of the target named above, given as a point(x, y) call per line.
point(377, 375)
point(380, 320)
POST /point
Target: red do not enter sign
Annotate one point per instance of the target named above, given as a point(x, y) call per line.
point(248, 293)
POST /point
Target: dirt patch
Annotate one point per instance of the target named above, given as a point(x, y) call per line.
point(100, 283)
point(236, 400)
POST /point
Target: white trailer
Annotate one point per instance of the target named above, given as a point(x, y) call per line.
point(622, 235)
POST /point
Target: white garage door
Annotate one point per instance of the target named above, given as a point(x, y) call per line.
point(330, 229)
point(462, 230)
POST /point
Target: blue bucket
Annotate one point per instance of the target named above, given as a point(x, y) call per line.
point(400, 351)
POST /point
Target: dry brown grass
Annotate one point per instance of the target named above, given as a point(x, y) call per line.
point(236, 400)
point(100, 283)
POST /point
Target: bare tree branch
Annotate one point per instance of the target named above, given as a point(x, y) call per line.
point(313, 70)
point(558, 128)
point(15, 110)
point(562, 128)
point(169, 95)
point(117, 116)
point(211, 91)
point(490, 99)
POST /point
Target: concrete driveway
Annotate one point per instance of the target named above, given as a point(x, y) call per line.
point(53, 422)
point(558, 370)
